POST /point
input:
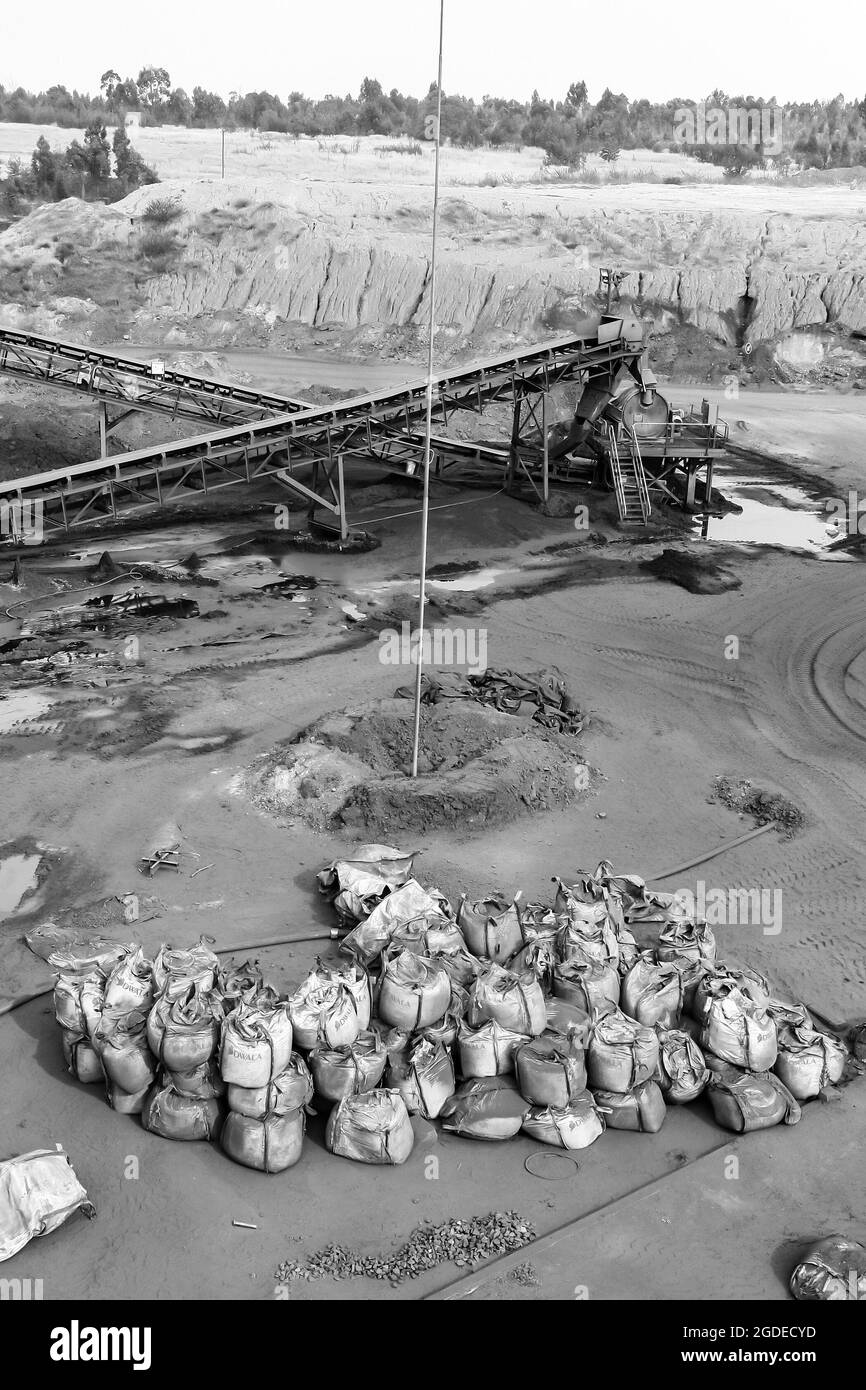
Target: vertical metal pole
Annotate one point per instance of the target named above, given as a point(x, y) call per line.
point(223, 152)
point(428, 426)
point(344, 529)
point(545, 454)
point(103, 430)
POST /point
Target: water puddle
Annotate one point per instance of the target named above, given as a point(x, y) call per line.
point(21, 707)
point(18, 877)
point(777, 514)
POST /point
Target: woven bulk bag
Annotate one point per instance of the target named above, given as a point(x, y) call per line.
point(491, 927)
point(641, 1110)
point(361, 882)
point(408, 903)
point(445, 1031)
point(502, 996)
point(691, 973)
point(462, 969)
point(413, 992)
point(652, 992)
point(357, 982)
point(752, 1102)
point(833, 1271)
point(348, 1071)
point(808, 1060)
point(427, 938)
point(749, 982)
point(255, 1044)
point(183, 1030)
point(271, 1145)
point(324, 1012)
point(239, 984)
point(81, 1058)
point(537, 958)
point(621, 1053)
point(687, 941)
point(588, 984)
point(490, 1107)
point(681, 1073)
point(371, 1128)
point(735, 1028)
point(173, 1116)
point(125, 1102)
point(586, 933)
point(177, 970)
point(550, 1071)
point(627, 946)
point(201, 1083)
point(79, 998)
point(537, 922)
point(568, 1021)
point(38, 1192)
point(424, 1076)
point(574, 1126)
point(488, 1050)
point(291, 1090)
point(130, 984)
point(394, 1040)
point(121, 1041)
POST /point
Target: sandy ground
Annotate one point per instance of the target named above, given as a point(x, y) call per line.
point(669, 712)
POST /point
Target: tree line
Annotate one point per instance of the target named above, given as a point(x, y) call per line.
point(817, 134)
point(91, 168)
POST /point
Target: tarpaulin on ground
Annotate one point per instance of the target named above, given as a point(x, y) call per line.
point(543, 693)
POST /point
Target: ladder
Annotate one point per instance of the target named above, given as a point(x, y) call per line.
point(629, 478)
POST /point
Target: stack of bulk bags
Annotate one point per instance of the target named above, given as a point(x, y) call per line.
point(130, 1067)
point(424, 1077)
point(79, 998)
point(371, 1128)
point(328, 1011)
point(255, 1052)
point(621, 1061)
point(505, 998)
point(349, 1071)
point(588, 984)
point(414, 992)
point(652, 992)
point(183, 1030)
point(491, 928)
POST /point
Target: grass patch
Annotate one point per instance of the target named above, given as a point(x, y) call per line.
point(161, 212)
point(157, 245)
point(766, 807)
point(412, 147)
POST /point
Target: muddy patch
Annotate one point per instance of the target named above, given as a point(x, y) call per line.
point(478, 767)
point(692, 572)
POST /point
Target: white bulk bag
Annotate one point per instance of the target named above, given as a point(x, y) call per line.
point(752, 1102)
point(38, 1191)
point(488, 1050)
point(81, 1058)
point(347, 1071)
point(176, 970)
point(550, 1071)
point(183, 1030)
point(324, 1011)
point(687, 941)
point(121, 1042)
point(588, 984)
point(125, 1102)
point(491, 927)
point(291, 1090)
point(621, 1053)
point(569, 1021)
point(424, 1076)
point(831, 1271)
point(518, 1004)
point(360, 883)
point(270, 1145)
point(652, 992)
point(537, 958)
point(202, 1083)
point(79, 998)
point(681, 1073)
point(255, 1044)
point(573, 1126)
point(427, 938)
point(748, 981)
point(736, 1028)
point(130, 984)
point(413, 992)
point(371, 1128)
point(641, 1109)
point(490, 1107)
point(409, 903)
point(239, 984)
point(808, 1060)
point(356, 981)
point(173, 1116)
point(586, 933)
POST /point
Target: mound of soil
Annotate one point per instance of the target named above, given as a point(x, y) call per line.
point(477, 767)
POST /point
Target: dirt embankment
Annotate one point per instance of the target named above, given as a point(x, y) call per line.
point(742, 265)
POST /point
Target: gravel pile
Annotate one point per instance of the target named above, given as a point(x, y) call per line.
point(459, 1242)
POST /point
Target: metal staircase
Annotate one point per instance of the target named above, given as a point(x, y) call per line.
point(629, 478)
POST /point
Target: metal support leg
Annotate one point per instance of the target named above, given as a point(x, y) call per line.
point(103, 430)
point(691, 480)
point(344, 524)
point(545, 459)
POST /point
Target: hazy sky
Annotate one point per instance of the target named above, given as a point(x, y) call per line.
point(789, 49)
